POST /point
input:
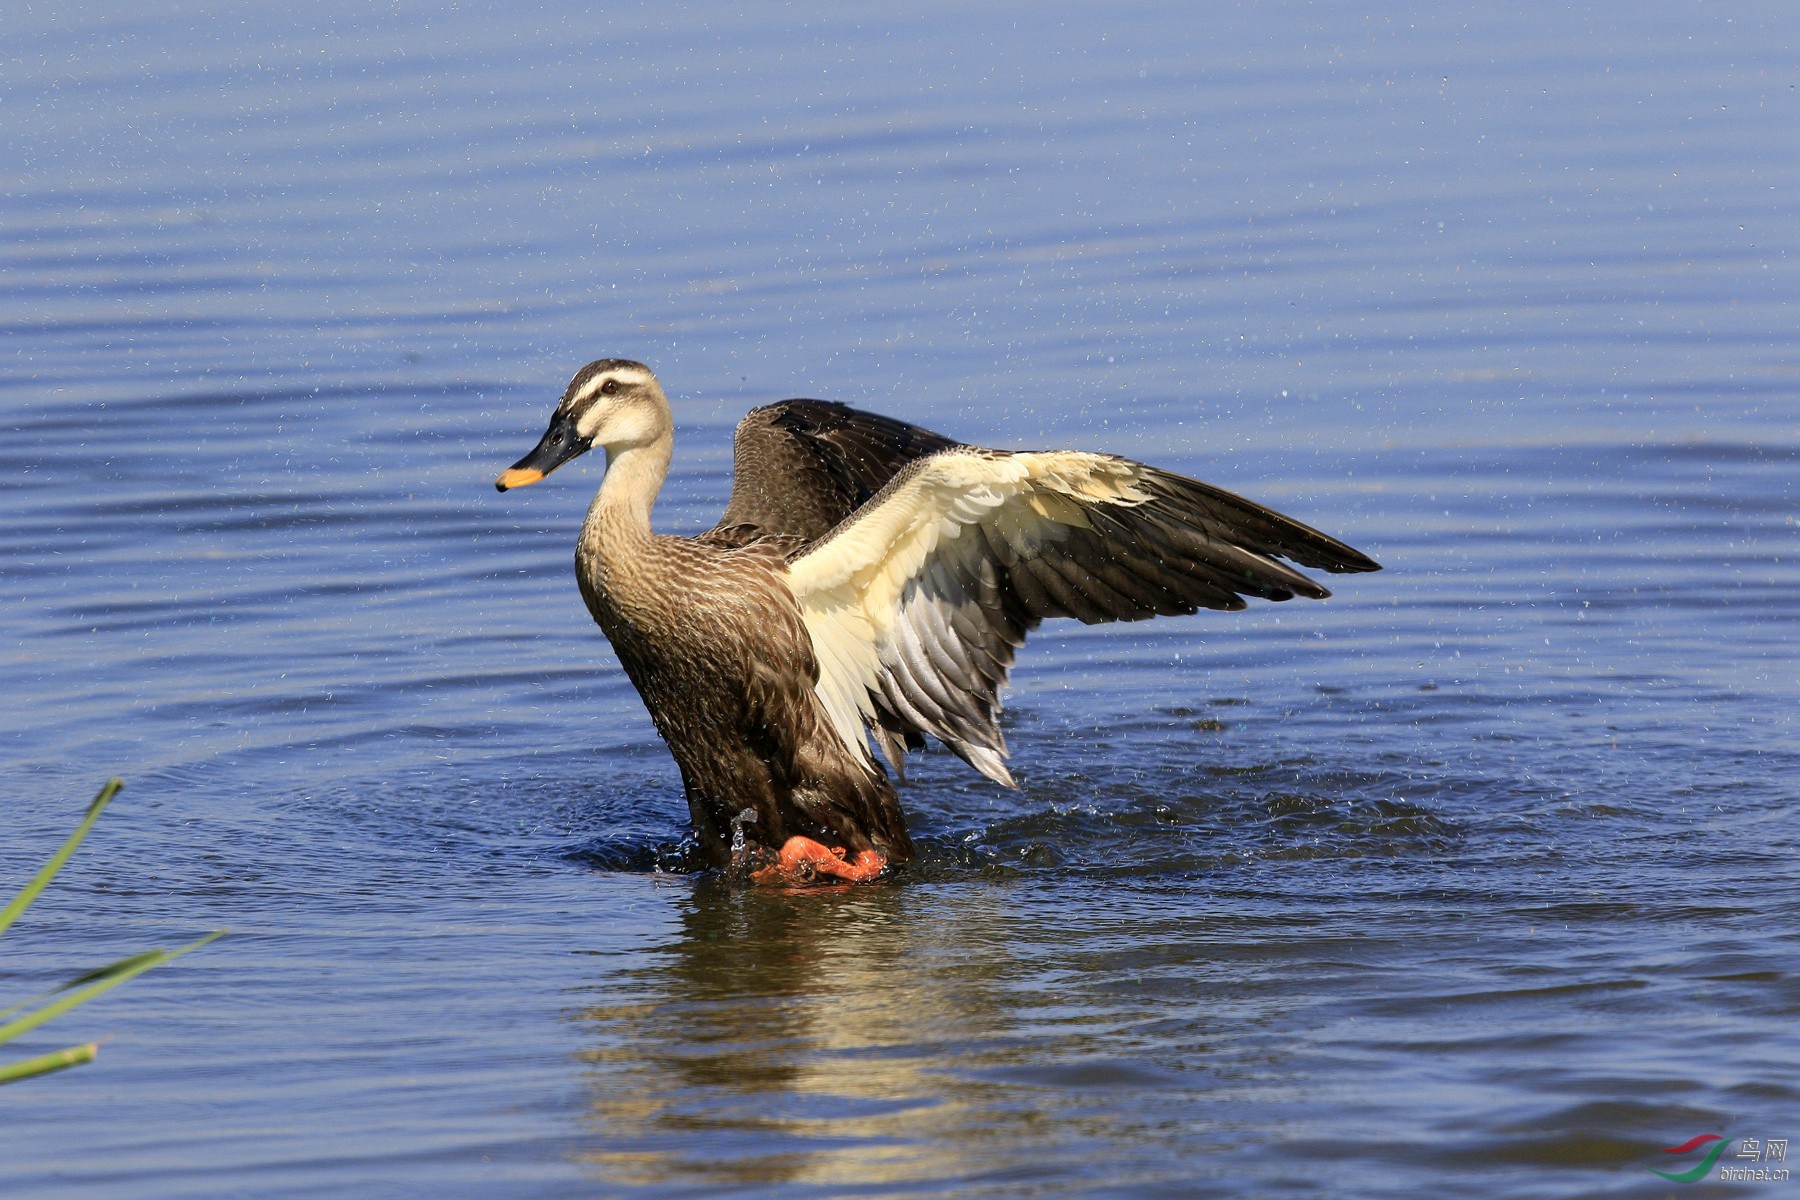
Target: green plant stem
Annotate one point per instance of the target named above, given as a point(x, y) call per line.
point(43, 1064)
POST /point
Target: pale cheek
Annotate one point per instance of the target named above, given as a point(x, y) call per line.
point(593, 420)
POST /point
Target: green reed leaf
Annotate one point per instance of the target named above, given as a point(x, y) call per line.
point(11, 912)
point(108, 978)
point(98, 973)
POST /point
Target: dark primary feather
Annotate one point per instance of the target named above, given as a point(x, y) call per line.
point(801, 466)
point(1190, 546)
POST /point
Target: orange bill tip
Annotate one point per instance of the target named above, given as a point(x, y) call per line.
point(517, 477)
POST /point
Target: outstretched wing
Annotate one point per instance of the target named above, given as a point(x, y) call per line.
point(917, 602)
point(801, 466)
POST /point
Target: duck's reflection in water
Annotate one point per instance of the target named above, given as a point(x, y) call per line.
point(802, 1037)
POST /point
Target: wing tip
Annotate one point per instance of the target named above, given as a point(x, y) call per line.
point(989, 762)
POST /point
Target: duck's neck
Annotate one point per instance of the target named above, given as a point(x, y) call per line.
point(620, 513)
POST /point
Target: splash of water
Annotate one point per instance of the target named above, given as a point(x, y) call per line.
point(738, 845)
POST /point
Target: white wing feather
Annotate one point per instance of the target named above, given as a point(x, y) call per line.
point(868, 593)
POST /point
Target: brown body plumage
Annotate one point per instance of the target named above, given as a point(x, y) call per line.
point(713, 644)
point(870, 575)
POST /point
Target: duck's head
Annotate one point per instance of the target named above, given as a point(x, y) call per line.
point(614, 403)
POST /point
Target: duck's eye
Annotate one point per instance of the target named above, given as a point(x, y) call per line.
point(609, 387)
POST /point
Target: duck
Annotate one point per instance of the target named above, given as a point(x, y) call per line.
point(869, 584)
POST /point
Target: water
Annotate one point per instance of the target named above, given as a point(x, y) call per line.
point(1475, 879)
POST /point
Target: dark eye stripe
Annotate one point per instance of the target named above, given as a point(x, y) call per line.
point(584, 397)
point(583, 391)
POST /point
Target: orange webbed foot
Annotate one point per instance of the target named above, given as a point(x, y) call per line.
point(802, 860)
